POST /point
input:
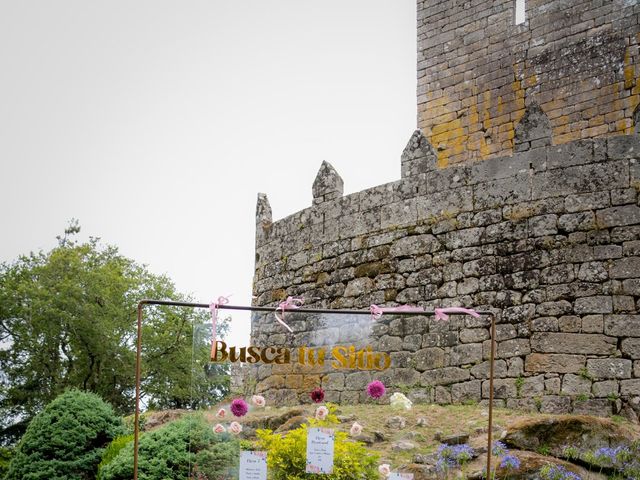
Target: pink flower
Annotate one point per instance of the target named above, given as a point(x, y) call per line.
point(258, 400)
point(376, 389)
point(384, 469)
point(221, 413)
point(317, 395)
point(321, 413)
point(239, 407)
point(235, 428)
point(356, 429)
point(219, 428)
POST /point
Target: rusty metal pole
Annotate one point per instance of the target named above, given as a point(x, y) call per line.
point(136, 428)
point(491, 362)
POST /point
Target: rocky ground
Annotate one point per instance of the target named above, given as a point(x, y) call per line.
point(408, 440)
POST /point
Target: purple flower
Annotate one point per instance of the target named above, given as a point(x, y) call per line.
point(499, 449)
point(376, 389)
point(453, 455)
point(510, 462)
point(317, 395)
point(239, 407)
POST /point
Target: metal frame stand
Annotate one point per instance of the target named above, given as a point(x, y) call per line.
point(142, 303)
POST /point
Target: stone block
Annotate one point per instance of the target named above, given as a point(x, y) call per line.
point(414, 245)
point(482, 369)
point(581, 221)
point(630, 348)
point(502, 388)
point(467, 391)
point(504, 191)
point(558, 363)
point(622, 325)
point(627, 267)
point(593, 272)
point(554, 308)
point(623, 146)
point(593, 324)
point(445, 376)
point(428, 359)
point(445, 204)
point(544, 324)
point(630, 387)
point(575, 385)
point(474, 335)
point(532, 386)
point(331, 381)
point(514, 348)
point(466, 354)
point(587, 201)
point(606, 368)
point(623, 304)
point(580, 179)
point(357, 380)
point(594, 406)
point(605, 389)
point(618, 216)
point(555, 404)
point(570, 323)
point(552, 386)
point(515, 367)
point(543, 225)
point(595, 304)
point(573, 343)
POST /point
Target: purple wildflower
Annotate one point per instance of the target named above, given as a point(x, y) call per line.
point(376, 389)
point(510, 462)
point(499, 449)
point(317, 395)
point(239, 407)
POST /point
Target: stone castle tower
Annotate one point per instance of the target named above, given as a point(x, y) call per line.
point(519, 193)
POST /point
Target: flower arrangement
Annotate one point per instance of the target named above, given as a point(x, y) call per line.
point(317, 395)
point(239, 407)
point(399, 401)
point(376, 389)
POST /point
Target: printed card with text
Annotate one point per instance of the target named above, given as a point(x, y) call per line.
point(400, 476)
point(253, 465)
point(320, 443)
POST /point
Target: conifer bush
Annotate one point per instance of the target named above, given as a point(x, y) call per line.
point(185, 448)
point(66, 440)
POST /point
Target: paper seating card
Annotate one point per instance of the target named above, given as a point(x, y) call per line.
point(253, 465)
point(320, 450)
point(400, 476)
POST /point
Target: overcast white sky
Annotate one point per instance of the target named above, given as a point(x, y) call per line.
point(156, 123)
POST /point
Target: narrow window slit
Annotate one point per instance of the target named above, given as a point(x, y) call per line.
point(520, 11)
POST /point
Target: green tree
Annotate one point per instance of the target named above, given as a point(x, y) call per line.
point(68, 319)
point(66, 440)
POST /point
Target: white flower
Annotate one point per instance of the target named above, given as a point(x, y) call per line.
point(356, 429)
point(258, 400)
point(384, 469)
point(219, 428)
point(321, 413)
point(398, 400)
point(235, 427)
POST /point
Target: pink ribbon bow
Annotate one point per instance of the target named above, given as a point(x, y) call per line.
point(291, 303)
point(213, 306)
point(441, 313)
point(376, 311)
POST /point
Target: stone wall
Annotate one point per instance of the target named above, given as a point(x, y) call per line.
point(548, 238)
point(478, 71)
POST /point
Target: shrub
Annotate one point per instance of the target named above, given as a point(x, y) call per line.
point(287, 455)
point(111, 452)
point(66, 440)
point(5, 458)
point(170, 451)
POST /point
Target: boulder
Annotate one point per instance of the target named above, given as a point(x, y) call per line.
point(554, 434)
